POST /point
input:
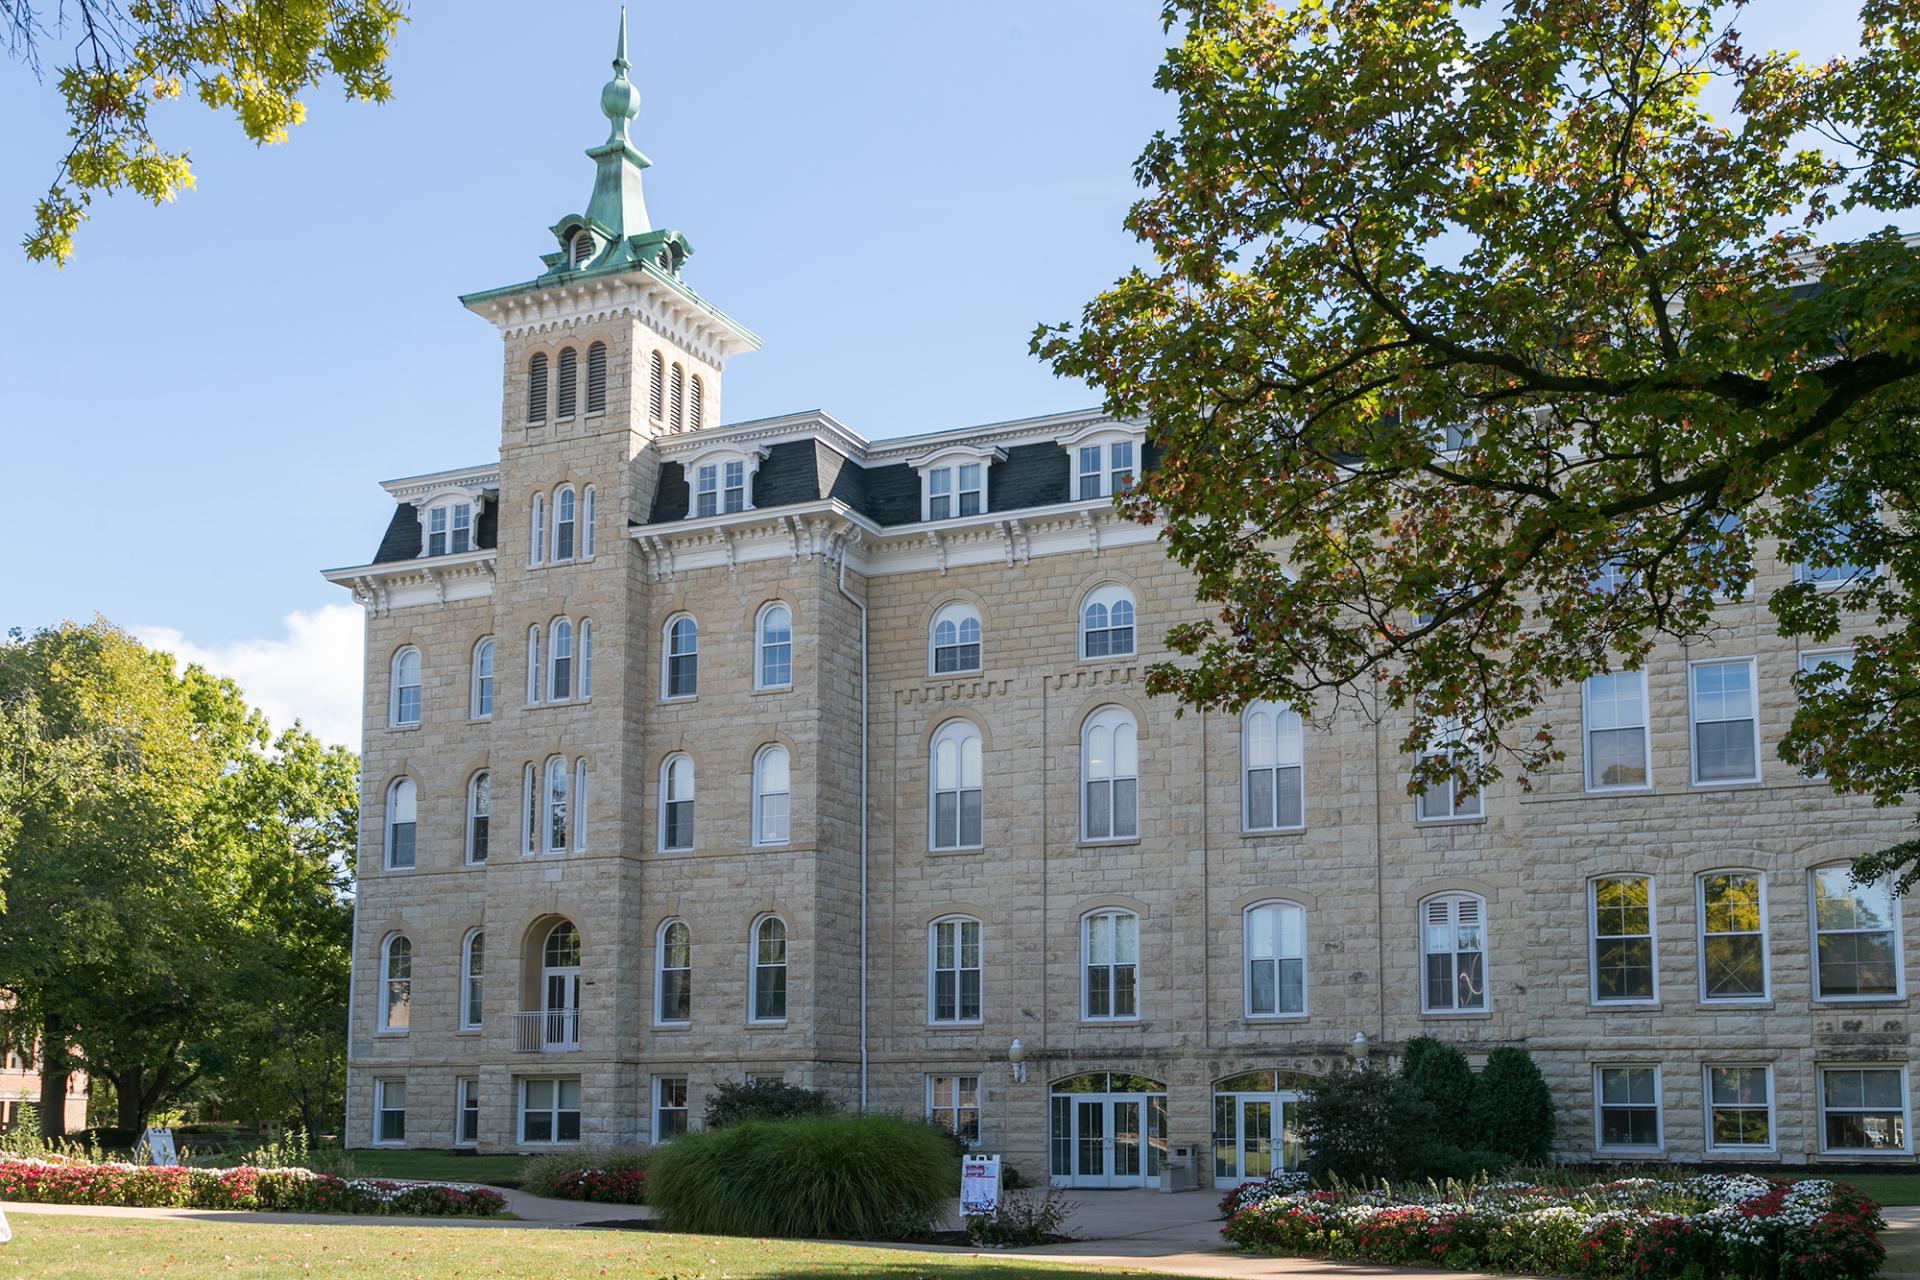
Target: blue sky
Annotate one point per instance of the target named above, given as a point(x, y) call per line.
point(892, 195)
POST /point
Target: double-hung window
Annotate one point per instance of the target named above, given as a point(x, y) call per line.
point(706, 490)
point(1628, 1100)
point(775, 669)
point(1856, 937)
point(1623, 945)
point(480, 703)
point(957, 781)
point(396, 992)
point(1276, 950)
point(1110, 950)
point(1863, 1110)
point(734, 489)
point(1106, 469)
point(405, 709)
point(675, 984)
point(1726, 722)
point(676, 803)
point(1106, 624)
point(669, 1107)
point(1272, 746)
point(953, 1103)
point(1740, 1108)
point(557, 795)
point(1453, 953)
point(1733, 936)
point(971, 493)
point(1617, 748)
point(1445, 801)
point(563, 523)
point(940, 493)
point(954, 959)
point(559, 661)
point(466, 1131)
point(479, 817)
point(768, 976)
point(450, 529)
point(390, 1111)
point(1827, 671)
point(955, 639)
point(772, 796)
point(402, 810)
point(683, 658)
point(473, 964)
point(550, 1110)
point(1110, 768)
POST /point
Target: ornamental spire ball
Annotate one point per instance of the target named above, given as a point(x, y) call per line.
point(620, 100)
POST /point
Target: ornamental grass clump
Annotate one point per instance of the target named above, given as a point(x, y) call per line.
point(1709, 1227)
point(841, 1176)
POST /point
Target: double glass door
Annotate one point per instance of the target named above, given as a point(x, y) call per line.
point(1253, 1135)
point(1107, 1139)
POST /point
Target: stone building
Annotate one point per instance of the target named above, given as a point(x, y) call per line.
point(698, 752)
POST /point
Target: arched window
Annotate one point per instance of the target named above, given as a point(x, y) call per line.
point(479, 816)
point(586, 522)
point(678, 398)
point(559, 660)
point(956, 773)
point(955, 639)
point(1106, 624)
point(1271, 756)
point(563, 523)
point(402, 797)
point(537, 388)
point(676, 803)
point(673, 978)
point(1110, 965)
point(560, 988)
point(586, 659)
point(580, 250)
point(473, 962)
point(772, 787)
point(953, 960)
point(533, 666)
point(1276, 946)
point(1110, 769)
point(569, 383)
point(775, 668)
point(579, 804)
point(537, 530)
point(480, 695)
point(1453, 954)
point(656, 387)
point(681, 679)
point(404, 708)
point(396, 973)
point(556, 806)
point(768, 979)
point(697, 406)
point(529, 810)
point(597, 378)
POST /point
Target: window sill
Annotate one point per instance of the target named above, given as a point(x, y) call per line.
point(781, 1025)
point(680, 697)
point(1625, 1006)
point(1110, 660)
point(970, 1024)
point(1865, 1153)
point(486, 719)
point(1758, 1003)
point(971, 673)
point(1858, 1002)
point(1104, 843)
point(403, 728)
point(1478, 819)
point(1642, 789)
point(1264, 833)
point(388, 1142)
point(1111, 1022)
point(398, 870)
point(468, 1031)
point(673, 1026)
point(771, 844)
point(1727, 784)
point(388, 1033)
point(772, 689)
point(1458, 1015)
point(1270, 1019)
point(1747, 1153)
point(1628, 1153)
point(956, 849)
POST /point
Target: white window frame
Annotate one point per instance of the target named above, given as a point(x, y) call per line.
point(661, 969)
point(1587, 731)
point(956, 613)
point(668, 797)
point(583, 661)
point(1113, 966)
point(559, 637)
point(480, 778)
point(957, 1108)
point(762, 645)
point(960, 733)
point(555, 766)
point(1701, 935)
point(381, 1087)
point(390, 820)
point(668, 654)
point(1897, 927)
point(587, 514)
point(1101, 437)
point(706, 487)
point(1110, 719)
point(1453, 898)
point(716, 463)
point(1593, 942)
point(387, 981)
point(959, 969)
point(685, 1109)
point(566, 514)
point(754, 966)
point(1805, 572)
point(948, 464)
point(1706, 1096)
point(1600, 1146)
point(396, 700)
point(1107, 596)
point(554, 1112)
point(530, 782)
point(483, 686)
point(1694, 722)
point(446, 515)
point(1248, 960)
point(1820, 1113)
point(1280, 713)
point(472, 979)
point(1449, 741)
point(537, 531)
point(534, 670)
point(761, 794)
point(466, 1097)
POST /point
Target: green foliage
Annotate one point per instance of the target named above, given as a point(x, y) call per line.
point(836, 1176)
point(1369, 1126)
point(1441, 1074)
point(733, 1101)
point(252, 61)
point(1450, 308)
point(1021, 1219)
point(566, 1175)
point(1512, 1110)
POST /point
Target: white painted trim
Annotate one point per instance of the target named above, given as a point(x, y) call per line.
point(1766, 937)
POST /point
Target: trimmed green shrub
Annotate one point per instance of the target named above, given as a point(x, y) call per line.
point(1369, 1126)
point(734, 1101)
point(615, 1176)
point(1441, 1074)
point(849, 1177)
point(1512, 1111)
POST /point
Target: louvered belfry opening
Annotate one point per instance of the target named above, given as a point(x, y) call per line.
point(582, 248)
point(597, 378)
point(696, 397)
point(569, 381)
point(537, 388)
point(679, 396)
point(656, 388)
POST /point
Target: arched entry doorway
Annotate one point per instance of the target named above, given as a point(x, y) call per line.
point(1107, 1129)
point(1254, 1125)
point(560, 988)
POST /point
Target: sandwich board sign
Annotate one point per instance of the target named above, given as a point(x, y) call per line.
point(979, 1184)
point(159, 1145)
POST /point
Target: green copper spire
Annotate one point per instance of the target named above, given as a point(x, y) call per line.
point(617, 206)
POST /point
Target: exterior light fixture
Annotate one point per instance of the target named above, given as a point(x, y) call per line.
point(1359, 1049)
point(1016, 1057)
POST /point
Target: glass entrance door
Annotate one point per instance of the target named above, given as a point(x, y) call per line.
point(1256, 1137)
point(1254, 1128)
point(1107, 1139)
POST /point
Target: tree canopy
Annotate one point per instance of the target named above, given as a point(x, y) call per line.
point(176, 910)
point(1485, 347)
point(252, 60)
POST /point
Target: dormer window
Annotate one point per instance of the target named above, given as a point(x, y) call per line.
point(449, 529)
point(581, 248)
point(721, 481)
point(953, 482)
point(1106, 460)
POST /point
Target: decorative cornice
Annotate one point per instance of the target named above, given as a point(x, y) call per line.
point(418, 489)
point(381, 588)
point(664, 304)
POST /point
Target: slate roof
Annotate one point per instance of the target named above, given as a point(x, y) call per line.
point(401, 541)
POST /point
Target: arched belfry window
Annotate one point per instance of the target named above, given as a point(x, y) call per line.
point(696, 407)
point(537, 387)
point(569, 382)
point(581, 249)
point(657, 387)
point(597, 378)
point(679, 399)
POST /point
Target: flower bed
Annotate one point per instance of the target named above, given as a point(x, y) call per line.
point(603, 1186)
point(1701, 1227)
point(276, 1190)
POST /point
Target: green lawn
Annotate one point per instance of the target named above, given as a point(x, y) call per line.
point(439, 1166)
point(1887, 1188)
point(56, 1247)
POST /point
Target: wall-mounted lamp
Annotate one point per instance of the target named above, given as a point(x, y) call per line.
point(1359, 1050)
point(1016, 1058)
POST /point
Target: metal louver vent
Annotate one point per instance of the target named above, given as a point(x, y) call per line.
point(537, 388)
point(581, 249)
point(679, 397)
point(597, 378)
point(696, 396)
point(656, 387)
point(569, 381)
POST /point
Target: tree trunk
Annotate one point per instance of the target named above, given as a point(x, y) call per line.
point(132, 1103)
point(53, 1078)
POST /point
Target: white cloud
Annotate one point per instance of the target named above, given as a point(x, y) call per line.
point(311, 673)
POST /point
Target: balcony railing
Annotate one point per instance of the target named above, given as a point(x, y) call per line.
point(547, 1031)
